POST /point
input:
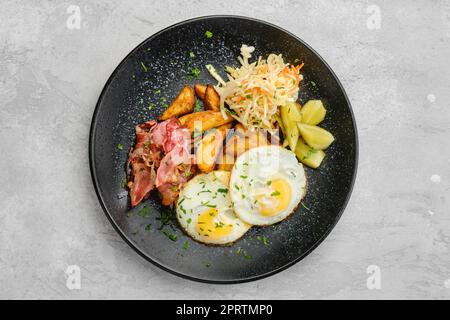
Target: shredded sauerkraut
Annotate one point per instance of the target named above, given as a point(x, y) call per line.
point(255, 90)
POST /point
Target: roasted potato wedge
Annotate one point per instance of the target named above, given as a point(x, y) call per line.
point(224, 128)
point(204, 120)
point(243, 140)
point(240, 129)
point(225, 161)
point(183, 104)
point(256, 139)
point(200, 90)
point(235, 146)
point(208, 149)
point(212, 99)
point(225, 166)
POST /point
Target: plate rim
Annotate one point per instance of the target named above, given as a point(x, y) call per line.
point(161, 265)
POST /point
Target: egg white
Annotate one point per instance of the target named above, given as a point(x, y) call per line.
point(205, 212)
point(267, 183)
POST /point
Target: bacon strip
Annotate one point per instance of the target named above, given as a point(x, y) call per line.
point(177, 165)
point(148, 170)
point(143, 160)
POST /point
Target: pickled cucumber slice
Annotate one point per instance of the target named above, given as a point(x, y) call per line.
point(294, 111)
point(290, 126)
point(313, 112)
point(309, 156)
point(316, 137)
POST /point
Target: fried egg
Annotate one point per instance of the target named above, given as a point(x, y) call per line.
point(205, 211)
point(267, 183)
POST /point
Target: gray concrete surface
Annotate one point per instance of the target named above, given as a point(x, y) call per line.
point(395, 72)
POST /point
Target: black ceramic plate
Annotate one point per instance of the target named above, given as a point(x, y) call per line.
point(155, 72)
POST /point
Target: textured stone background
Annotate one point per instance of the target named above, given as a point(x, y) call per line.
point(397, 78)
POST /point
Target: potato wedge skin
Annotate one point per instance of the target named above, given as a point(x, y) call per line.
point(183, 104)
point(208, 150)
point(204, 120)
point(212, 99)
point(225, 166)
point(243, 140)
point(224, 128)
point(200, 90)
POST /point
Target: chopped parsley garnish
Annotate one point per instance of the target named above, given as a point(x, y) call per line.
point(222, 190)
point(150, 106)
point(243, 253)
point(311, 151)
point(165, 217)
point(171, 236)
point(275, 194)
point(194, 73)
point(144, 212)
point(208, 34)
point(237, 187)
point(269, 182)
point(120, 146)
point(246, 255)
point(244, 177)
point(304, 206)
point(191, 54)
point(219, 224)
point(189, 220)
point(197, 106)
point(157, 91)
point(313, 83)
point(186, 245)
point(296, 60)
point(148, 227)
point(263, 240)
point(143, 67)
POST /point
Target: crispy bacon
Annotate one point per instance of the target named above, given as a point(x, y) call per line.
point(148, 170)
point(143, 160)
point(177, 165)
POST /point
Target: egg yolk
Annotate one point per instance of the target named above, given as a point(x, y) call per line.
point(277, 201)
point(209, 226)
